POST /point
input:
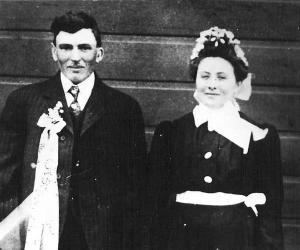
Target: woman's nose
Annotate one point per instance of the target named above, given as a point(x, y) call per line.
point(212, 84)
point(212, 87)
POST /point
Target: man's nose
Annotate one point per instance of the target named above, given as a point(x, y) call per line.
point(75, 55)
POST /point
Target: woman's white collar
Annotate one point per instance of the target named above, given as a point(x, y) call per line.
point(227, 122)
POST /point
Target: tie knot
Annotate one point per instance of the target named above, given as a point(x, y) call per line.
point(74, 91)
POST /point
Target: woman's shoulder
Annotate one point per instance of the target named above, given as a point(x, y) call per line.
point(177, 123)
point(272, 131)
point(262, 125)
point(168, 129)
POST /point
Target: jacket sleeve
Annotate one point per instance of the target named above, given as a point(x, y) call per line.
point(12, 134)
point(159, 167)
point(137, 175)
point(269, 233)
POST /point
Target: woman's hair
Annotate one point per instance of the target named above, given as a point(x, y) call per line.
point(72, 22)
point(217, 42)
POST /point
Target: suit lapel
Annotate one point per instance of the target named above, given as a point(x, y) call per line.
point(54, 93)
point(96, 106)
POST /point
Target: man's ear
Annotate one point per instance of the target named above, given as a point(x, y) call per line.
point(54, 52)
point(100, 54)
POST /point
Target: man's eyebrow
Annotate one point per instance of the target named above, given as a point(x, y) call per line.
point(85, 45)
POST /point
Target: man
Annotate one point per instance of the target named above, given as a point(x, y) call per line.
point(100, 150)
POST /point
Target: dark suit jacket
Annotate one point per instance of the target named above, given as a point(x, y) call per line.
point(177, 163)
point(111, 152)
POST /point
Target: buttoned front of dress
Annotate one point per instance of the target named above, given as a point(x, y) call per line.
point(210, 162)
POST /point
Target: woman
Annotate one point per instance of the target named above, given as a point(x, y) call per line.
point(215, 175)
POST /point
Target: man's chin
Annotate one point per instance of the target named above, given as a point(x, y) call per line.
point(76, 78)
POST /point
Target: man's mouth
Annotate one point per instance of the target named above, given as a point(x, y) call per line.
point(75, 67)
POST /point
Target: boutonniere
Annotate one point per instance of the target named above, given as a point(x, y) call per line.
point(53, 120)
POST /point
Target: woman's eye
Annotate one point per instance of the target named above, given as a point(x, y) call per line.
point(204, 76)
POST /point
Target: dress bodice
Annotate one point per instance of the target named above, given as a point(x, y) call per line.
point(204, 160)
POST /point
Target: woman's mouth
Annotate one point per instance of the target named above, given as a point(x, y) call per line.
point(212, 94)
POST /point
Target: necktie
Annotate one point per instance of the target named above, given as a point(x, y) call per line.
point(74, 107)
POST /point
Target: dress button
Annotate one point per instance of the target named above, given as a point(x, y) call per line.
point(208, 179)
point(62, 138)
point(207, 155)
point(58, 176)
point(77, 164)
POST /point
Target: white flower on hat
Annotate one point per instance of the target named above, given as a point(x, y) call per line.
point(218, 36)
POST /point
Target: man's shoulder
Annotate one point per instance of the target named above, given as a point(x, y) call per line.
point(32, 88)
point(114, 94)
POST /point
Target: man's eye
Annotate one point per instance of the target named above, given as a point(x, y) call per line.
point(84, 47)
point(204, 76)
point(221, 77)
point(65, 47)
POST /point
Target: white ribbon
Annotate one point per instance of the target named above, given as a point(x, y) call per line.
point(245, 89)
point(42, 230)
point(43, 225)
point(221, 199)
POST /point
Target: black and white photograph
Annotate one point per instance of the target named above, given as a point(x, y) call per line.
point(150, 125)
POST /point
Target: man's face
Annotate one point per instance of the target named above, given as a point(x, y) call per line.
point(77, 54)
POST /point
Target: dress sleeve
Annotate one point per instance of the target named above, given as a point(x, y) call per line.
point(159, 160)
point(136, 179)
point(269, 233)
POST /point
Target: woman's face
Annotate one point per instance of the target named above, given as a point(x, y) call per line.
point(215, 82)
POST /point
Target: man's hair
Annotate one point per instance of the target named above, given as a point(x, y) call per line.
point(72, 22)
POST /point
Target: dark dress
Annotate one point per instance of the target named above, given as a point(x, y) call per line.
point(177, 163)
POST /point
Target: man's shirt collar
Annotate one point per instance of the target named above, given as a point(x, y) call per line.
point(85, 89)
